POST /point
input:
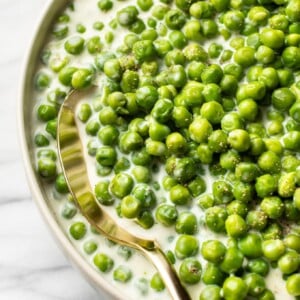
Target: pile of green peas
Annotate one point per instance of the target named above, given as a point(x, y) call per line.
point(176, 102)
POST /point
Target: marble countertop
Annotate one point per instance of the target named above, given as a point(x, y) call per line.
point(31, 264)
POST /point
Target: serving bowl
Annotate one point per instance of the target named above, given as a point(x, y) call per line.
point(25, 108)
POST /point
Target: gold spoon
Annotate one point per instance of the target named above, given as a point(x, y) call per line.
point(74, 167)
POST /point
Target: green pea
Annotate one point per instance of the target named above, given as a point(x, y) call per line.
point(291, 140)
point(251, 245)
point(273, 231)
point(213, 275)
point(258, 15)
point(51, 128)
point(175, 19)
point(254, 90)
point(124, 252)
point(287, 185)
point(74, 45)
point(166, 214)
point(222, 192)
point(69, 210)
point(102, 193)
point(176, 143)
point(291, 57)
point(292, 241)
point(239, 140)
point(215, 218)
point(244, 56)
point(201, 10)
point(186, 223)
point(267, 295)
point(233, 20)
point(81, 78)
point(145, 219)
point(296, 198)
point(219, 5)
point(233, 260)
point(246, 172)
point(182, 169)
point(212, 292)
point(130, 207)
point(186, 246)
point(205, 201)
point(112, 69)
point(190, 271)
point(231, 121)
point(292, 284)
point(105, 5)
point(103, 262)
point(292, 10)
point(98, 26)
point(283, 99)
point(192, 30)
point(229, 159)
point(194, 70)
point(61, 184)
point(179, 194)
point(237, 207)
point(213, 251)
point(157, 283)
point(41, 140)
point(234, 288)
point(90, 247)
point(127, 16)
point(130, 141)
point(258, 266)
point(155, 148)
point(78, 230)
point(212, 74)
point(121, 185)
point(194, 52)
point(42, 81)
point(200, 129)
point(256, 284)
point(146, 196)
point(146, 97)
point(235, 226)
point(178, 39)
point(46, 112)
point(266, 185)
point(197, 186)
point(60, 31)
point(143, 50)
point(174, 57)
point(269, 162)
point(273, 249)
point(46, 167)
point(177, 76)
point(289, 262)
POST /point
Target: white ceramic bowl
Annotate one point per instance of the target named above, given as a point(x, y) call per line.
point(25, 108)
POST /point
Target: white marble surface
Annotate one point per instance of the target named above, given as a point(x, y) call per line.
point(31, 265)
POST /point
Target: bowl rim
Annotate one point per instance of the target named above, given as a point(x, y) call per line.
point(46, 18)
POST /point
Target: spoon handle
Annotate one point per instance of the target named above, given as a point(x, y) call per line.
point(167, 273)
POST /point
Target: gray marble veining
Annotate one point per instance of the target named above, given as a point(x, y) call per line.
point(31, 265)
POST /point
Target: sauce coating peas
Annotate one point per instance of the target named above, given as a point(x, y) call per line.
point(195, 127)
